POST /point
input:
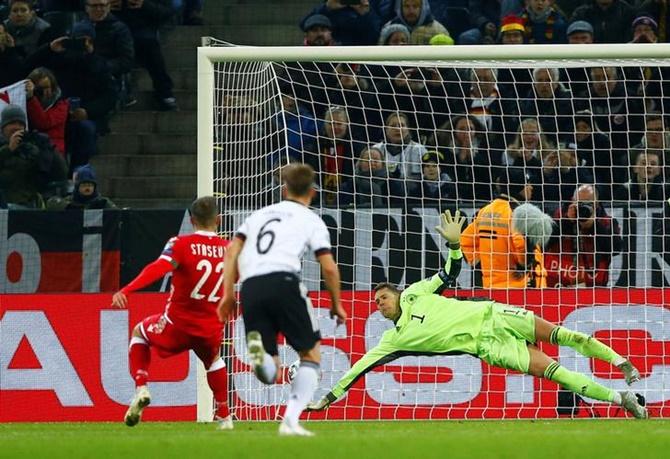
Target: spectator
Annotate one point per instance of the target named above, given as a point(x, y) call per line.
point(645, 30)
point(318, 31)
point(543, 23)
point(610, 19)
point(485, 19)
point(144, 19)
point(436, 188)
point(300, 125)
point(350, 24)
point(512, 31)
point(580, 33)
point(349, 88)
point(47, 110)
point(498, 116)
point(466, 161)
point(82, 73)
point(394, 35)
point(561, 175)
point(506, 238)
point(85, 195)
point(581, 250)
point(551, 102)
point(28, 162)
point(655, 140)
point(617, 113)
point(647, 183)
point(192, 12)
point(607, 165)
point(113, 40)
point(527, 149)
point(334, 161)
point(423, 35)
point(369, 187)
point(401, 152)
point(415, 13)
point(11, 60)
point(659, 11)
point(28, 30)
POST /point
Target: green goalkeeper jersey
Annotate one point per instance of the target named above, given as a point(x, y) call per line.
point(429, 324)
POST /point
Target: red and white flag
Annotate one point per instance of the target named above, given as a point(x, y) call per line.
point(13, 94)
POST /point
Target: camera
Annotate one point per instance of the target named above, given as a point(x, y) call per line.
point(584, 211)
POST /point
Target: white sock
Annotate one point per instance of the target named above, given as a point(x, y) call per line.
point(267, 371)
point(617, 398)
point(303, 387)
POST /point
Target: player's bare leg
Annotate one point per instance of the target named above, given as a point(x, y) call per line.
point(304, 384)
point(543, 366)
point(139, 355)
point(217, 379)
point(586, 345)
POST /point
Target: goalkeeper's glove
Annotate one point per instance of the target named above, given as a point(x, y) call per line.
point(322, 404)
point(450, 227)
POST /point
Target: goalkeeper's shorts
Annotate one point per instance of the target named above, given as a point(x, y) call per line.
point(505, 337)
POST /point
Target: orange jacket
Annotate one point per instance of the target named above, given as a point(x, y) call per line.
point(501, 251)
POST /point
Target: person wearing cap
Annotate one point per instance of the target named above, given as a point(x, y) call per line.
point(611, 19)
point(580, 33)
point(357, 24)
point(86, 194)
point(512, 30)
point(318, 31)
point(28, 161)
point(506, 238)
point(645, 30)
point(436, 188)
point(394, 35)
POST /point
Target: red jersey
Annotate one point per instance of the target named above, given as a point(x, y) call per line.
point(197, 281)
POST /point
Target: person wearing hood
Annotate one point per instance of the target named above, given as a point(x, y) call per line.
point(85, 195)
point(415, 13)
point(507, 237)
point(28, 31)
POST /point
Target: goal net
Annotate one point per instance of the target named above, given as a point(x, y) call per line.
point(398, 135)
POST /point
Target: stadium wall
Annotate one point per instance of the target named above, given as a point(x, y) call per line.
point(64, 358)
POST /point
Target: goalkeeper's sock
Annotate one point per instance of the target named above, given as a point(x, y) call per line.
point(580, 384)
point(586, 345)
point(217, 378)
point(266, 372)
point(303, 386)
point(139, 355)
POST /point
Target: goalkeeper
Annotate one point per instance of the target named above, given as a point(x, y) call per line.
point(427, 323)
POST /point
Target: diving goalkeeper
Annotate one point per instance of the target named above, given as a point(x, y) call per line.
point(427, 323)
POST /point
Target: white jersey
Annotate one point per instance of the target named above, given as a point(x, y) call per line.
point(276, 237)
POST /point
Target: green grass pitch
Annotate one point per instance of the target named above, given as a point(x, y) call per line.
point(564, 439)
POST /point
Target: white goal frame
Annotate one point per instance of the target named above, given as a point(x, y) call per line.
point(456, 56)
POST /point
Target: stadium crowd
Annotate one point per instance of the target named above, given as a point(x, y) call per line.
point(75, 59)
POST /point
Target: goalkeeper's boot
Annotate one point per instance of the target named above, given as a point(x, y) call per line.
point(224, 423)
point(630, 402)
point(141, 400)
point(255, 348)
point(630, 372)
point(296, 431)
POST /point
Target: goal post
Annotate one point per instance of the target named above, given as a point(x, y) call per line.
point(251, 123)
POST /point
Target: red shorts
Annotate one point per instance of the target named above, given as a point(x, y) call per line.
point(169, 340)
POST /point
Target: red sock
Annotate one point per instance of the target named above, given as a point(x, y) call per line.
point(217, 378)
point(139, 355)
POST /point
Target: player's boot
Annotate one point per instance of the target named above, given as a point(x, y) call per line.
point(630, 372)
point(224, 423)
point(255, 348)
point(630, 403)
point(296, 431)
point(141, 400)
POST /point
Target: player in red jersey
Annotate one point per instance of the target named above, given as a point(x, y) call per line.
point(190, 321)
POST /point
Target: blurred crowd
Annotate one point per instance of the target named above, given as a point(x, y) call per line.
point(73, 59)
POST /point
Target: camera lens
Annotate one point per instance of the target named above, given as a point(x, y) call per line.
point(584, 211)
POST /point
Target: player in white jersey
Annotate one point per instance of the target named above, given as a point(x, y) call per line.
point(266, 254)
